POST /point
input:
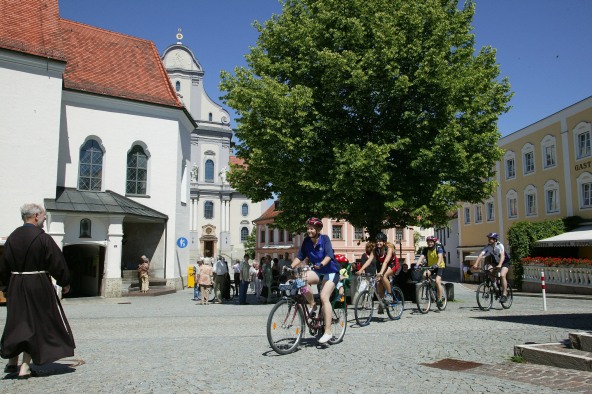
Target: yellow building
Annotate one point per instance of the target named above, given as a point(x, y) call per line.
point(545, 173)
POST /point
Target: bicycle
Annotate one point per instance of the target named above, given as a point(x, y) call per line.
point(490, 289)
point(364, 304)
point(288, 317)
point(426, 292)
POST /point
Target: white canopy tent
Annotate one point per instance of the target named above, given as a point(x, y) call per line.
point(581, 236)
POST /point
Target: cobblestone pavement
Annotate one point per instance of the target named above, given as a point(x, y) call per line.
point(168, 344)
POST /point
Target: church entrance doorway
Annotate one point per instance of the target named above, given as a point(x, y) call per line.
point(86, 264)
point(208, 248)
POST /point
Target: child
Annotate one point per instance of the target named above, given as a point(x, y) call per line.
point(343, 274)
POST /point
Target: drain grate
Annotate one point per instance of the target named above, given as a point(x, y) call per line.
point(451, 364)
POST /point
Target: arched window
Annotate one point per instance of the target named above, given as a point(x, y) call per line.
point(209, 170)
point(90, 170)
point(512, 202)
point(210, 117)
point(244, 234)
point(85, 228)
point(551, 196)
point(209, 210)
point(178, 86)
point(137, 171)
point(245, 209)
point(528, 164)
point(530, 200)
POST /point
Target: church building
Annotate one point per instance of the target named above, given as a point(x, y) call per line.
point(125, 162)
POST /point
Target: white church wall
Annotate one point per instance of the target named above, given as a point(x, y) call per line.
point(30, 94)
point(118, 125)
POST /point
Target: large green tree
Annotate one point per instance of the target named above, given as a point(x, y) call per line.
point(380, 112)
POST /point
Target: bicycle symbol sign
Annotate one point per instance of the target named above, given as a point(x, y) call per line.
point(182, 242)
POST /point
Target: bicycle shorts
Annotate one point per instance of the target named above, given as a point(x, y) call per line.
point(334, 277)
point(439, 271)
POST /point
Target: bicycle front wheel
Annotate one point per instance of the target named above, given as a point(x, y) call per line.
point(285, 326)
point(395, 308)
point(363, 308)
point(423, 297)
point(484, 297)
point(509, 298)
point(338, 322)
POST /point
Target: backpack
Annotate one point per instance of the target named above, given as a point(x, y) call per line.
point(443, 253)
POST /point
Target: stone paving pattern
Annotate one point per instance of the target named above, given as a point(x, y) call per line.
point(168, 344)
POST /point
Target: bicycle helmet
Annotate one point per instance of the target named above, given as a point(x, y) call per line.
point(340, 258)
point(432, 238)
point(493, 235)
point(381, 237)
point(315, 222)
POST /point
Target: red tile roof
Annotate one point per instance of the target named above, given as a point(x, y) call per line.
point(237, 161)
point(114, 64)
point(270, 213)
point(97, 61)
point(31, 26)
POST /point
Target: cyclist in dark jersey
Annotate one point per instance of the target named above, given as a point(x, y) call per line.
point(386, 265)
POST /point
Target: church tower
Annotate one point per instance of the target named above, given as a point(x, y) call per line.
point(221, 218)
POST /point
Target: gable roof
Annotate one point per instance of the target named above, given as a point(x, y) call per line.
point(113, 64)
point(32, 27)
point(269, 214)
point(97, 60)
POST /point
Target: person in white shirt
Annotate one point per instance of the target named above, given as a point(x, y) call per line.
point(236, 271)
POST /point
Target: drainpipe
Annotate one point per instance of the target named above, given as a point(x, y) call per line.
point(165, 246)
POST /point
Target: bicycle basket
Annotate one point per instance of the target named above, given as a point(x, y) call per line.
point(299, 283)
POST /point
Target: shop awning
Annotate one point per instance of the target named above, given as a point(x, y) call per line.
point(581, 236)
point(472, 257)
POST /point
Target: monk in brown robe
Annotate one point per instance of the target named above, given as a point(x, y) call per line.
point(35, 321)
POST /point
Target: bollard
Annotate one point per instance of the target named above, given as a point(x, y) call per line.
point(544, 293)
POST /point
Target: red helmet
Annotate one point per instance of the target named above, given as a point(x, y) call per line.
point(315, 222)
point(432, 238)
point(340, 258)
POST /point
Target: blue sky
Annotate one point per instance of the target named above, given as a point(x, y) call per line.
point(543, 46)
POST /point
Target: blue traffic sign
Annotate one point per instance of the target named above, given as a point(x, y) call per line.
point(182, 242)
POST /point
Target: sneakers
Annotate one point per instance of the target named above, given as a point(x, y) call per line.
point(325, 338)
point(503, 298)
point(380, 310)
point(388, 299)
point(440, 302)
point(312, 311)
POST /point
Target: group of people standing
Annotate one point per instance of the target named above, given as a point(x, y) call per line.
point(257, 278)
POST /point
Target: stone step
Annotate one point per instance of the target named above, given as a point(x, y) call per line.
point(153, 282)
point(581, 340)
point(555, 354)
point(153, 291)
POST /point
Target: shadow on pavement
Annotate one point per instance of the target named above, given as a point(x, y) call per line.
point(574, 321)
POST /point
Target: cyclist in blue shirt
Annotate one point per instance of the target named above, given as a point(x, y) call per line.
point(319, 251)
